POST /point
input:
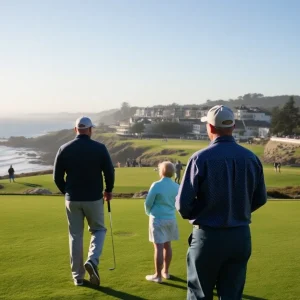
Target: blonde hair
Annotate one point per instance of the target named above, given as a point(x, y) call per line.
point(166, 169)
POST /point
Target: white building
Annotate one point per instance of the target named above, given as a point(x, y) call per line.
point(123, 128)
point(185, 111)
point(199, 129)
point(256, 128)
point(140, 112)
point(144, 112)
point(252, 113)
point(191, 112)
point(263, 132)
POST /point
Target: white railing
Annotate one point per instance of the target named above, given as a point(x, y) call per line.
point(285, 140)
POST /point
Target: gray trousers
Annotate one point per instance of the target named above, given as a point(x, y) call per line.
point(94, 213)
point(218, 257)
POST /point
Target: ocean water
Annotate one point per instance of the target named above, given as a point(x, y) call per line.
point(20, 159)
point(31, 127)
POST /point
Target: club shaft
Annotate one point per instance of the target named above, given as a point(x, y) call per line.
point(112, 238)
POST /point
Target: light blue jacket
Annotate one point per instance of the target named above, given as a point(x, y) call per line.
point(160, 202)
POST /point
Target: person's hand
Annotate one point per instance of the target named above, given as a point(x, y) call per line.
point(107, 196)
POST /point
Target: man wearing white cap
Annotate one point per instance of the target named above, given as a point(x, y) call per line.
point(84, 160)
point(222, 185)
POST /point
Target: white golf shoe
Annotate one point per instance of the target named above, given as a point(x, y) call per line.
point(154, 279)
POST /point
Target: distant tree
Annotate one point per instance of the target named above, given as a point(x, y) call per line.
point(125, 109)
point(290, 114)
point(276, 122)
point(247, 97)
point(259, 95)
point(286, 120)
point(138, 128)
point(297, 130)
point(251, 97)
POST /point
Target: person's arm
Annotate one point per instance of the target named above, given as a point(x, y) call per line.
point(186, 198)
point(109, 174)
point(260, 193)
point(59, 172)
point(150, 199)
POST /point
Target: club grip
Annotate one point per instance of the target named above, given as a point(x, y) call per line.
point(108, 205)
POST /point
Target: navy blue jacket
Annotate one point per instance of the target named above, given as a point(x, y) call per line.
point(83, 160)
point(222, 185)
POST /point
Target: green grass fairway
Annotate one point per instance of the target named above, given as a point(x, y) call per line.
point(130, 180)
point(156, 146)
point(35, 259)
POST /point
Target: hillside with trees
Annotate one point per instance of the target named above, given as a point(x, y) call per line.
point(256, 99)
point(125, 112)
point(250, 99)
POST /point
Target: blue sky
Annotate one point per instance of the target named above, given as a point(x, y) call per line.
point(92, 55)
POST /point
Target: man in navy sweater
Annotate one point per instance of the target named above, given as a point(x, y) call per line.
point(223, 184)
point(83, 161)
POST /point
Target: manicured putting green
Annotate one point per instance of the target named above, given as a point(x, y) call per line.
point(35, 259)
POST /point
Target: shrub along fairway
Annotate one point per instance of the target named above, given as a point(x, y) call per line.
point(35, 259)
point(131, 180)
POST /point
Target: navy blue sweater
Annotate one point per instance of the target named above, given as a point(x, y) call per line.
point(222, 185)
point(83, 161)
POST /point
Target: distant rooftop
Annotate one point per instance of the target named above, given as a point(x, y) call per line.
point(252, 109)
point(253, 123)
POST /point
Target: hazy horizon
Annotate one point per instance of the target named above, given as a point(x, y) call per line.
point(66, 56)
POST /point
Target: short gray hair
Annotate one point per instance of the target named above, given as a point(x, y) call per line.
point(166, 169)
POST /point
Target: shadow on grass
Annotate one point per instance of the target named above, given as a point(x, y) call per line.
point(253, 298)
point(174, 278)
point(173, 285)
point(28, 184)
point(111, 292)
point(247, 297)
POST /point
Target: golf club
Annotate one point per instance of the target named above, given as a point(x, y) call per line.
point(112, 238)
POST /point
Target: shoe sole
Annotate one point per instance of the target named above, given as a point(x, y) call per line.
point(94, 279)
point(78, 284)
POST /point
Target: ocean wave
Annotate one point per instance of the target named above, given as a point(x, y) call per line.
point(11, 157)
point(19, 159)
point(13, 162)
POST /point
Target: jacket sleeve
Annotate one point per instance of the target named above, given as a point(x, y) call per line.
point(150, 199)
point(188, 190)
point(59, 171)
point(260, 193)
point(108, 171)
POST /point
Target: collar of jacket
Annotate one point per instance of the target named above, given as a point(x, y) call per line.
point(222, 139)
point(82, 136)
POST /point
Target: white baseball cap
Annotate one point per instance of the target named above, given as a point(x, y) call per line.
point(84, 123)
point(220, 116)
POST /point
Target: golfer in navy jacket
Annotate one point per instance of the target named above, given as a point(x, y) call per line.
point(83, 161)
point(222, 185)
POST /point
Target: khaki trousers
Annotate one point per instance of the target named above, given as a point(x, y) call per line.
point(77, 211)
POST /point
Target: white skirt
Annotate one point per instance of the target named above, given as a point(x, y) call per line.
point(162, 230)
